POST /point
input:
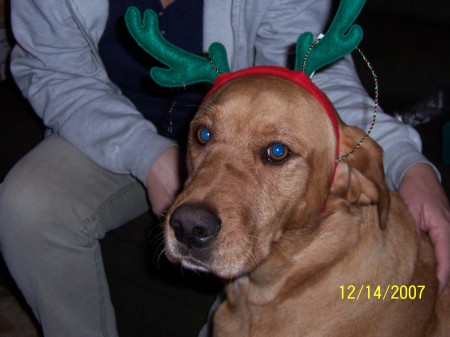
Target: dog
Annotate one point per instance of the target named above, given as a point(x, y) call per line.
point(307, 245)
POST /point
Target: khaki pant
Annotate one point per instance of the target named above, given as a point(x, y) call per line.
point(55, 205)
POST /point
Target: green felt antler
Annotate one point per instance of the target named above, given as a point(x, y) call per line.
point(184, 68)
point(342, 38)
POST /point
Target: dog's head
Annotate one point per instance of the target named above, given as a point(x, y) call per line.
point(262, 149)
point(261, 160)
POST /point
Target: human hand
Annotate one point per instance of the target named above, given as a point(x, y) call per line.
point(428, 204)
point(164, 180)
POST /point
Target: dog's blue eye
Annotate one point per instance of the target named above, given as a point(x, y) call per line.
point(203, 135)
point(277, 152)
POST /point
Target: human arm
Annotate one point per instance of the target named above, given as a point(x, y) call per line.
point(57, 66)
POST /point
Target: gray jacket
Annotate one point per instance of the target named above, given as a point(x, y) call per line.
point(57, 66)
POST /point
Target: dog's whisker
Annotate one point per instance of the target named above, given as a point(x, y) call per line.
point(162, 249)
point(154, 236)
point(155, 239)
point(251, 256)
point(158, 258)
point(159, 213)
point(151, 233)
point(161, 216)
point(248, 253)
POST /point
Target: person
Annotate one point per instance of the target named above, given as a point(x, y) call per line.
point(113, 137)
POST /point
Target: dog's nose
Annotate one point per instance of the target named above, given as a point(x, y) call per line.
point(194, 226)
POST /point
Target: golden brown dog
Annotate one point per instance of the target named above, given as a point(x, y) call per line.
point(310, 247)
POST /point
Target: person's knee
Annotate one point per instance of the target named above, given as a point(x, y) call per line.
point(24, 205)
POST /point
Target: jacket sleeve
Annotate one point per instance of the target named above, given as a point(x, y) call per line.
point(401, 143)
point(284, 22)
point(56, 65)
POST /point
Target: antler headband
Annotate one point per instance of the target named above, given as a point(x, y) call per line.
point(184, 68)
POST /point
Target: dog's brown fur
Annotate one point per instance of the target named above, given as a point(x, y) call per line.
point(293, 233)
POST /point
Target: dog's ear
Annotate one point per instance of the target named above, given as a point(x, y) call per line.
point(359, 178)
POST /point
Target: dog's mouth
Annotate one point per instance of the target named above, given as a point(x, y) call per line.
point(205, 260)
point(226, 271)
point(194, 265)
point(191, 259)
